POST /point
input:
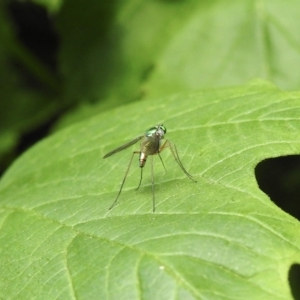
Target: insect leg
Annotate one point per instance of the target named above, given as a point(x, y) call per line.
point(162, 162)
point(135, 152)
point(140, 179)
point(176, 157)
point(152, 175)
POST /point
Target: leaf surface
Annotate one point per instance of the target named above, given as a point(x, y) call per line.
point(219, 238)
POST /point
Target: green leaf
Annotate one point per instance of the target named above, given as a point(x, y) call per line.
point(200, 44)
point(145, 49)
point(219, 238)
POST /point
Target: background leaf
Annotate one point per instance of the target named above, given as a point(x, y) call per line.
point(221, 238)
point(150, 49)
point(112, 52)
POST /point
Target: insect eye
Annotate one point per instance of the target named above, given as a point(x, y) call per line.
point(163, 128)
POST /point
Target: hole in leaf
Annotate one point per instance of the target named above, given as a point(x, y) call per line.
point(294, 280)
point(279, 178)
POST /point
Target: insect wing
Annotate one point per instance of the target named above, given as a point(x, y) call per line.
point(123, 146)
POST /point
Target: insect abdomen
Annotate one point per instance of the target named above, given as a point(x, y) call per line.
point(142, 159)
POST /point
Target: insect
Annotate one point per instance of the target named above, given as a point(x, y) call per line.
point(150, 145)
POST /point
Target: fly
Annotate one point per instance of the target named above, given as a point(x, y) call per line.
point(150, 145)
